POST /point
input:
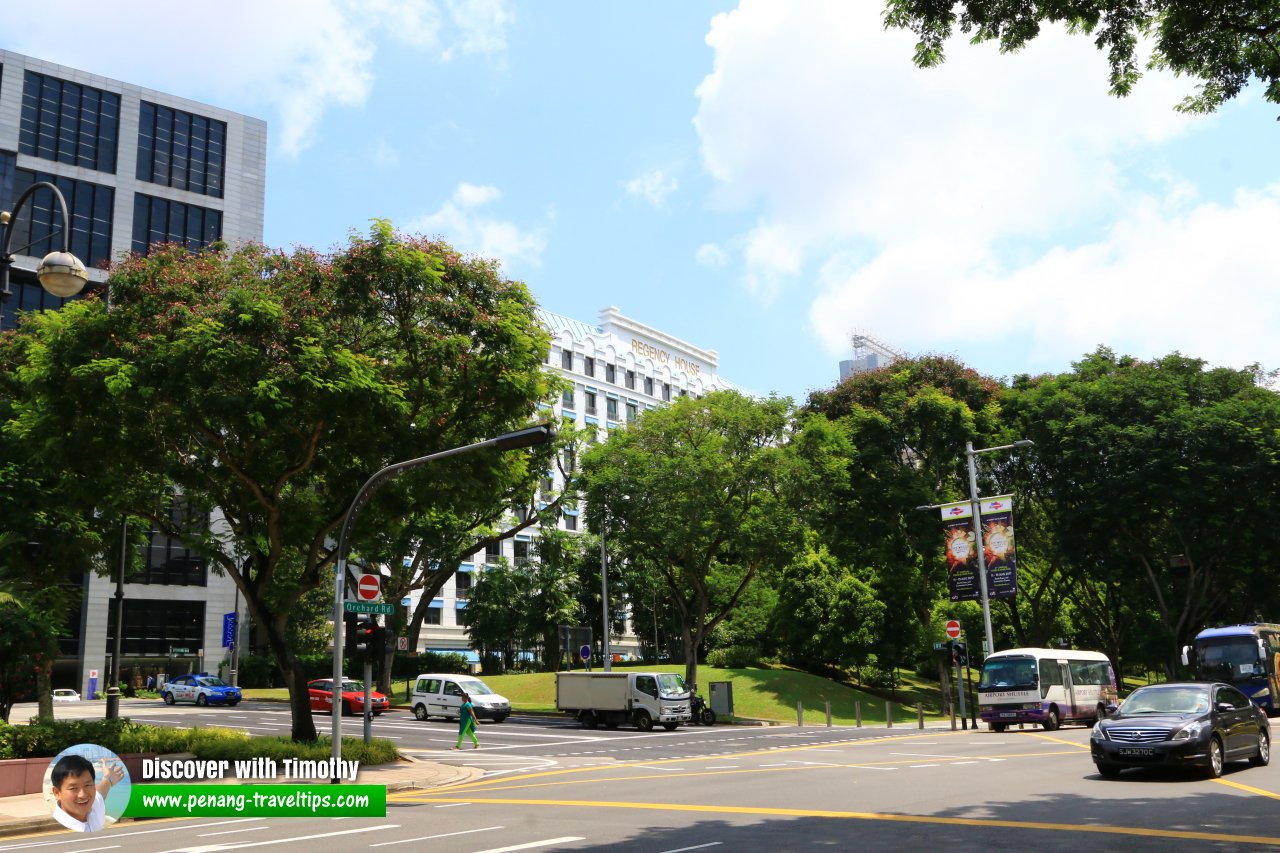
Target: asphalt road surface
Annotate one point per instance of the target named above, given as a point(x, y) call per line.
point(550, 785)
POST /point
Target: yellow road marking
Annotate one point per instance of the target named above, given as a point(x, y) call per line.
point(506, 783)
point(657, 762)
point(888, 818)
point(1249, 788)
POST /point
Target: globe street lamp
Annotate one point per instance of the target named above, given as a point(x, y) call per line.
point(60, 273)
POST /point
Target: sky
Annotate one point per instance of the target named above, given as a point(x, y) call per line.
point(762, 178)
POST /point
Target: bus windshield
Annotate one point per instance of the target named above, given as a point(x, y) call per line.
point(1008, 674)
point(1228, 659)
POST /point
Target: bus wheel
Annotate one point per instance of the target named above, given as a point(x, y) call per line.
point(1051, 720)
point(996, 727)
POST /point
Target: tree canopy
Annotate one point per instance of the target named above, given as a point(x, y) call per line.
point(270, 386)
point(1224, 46)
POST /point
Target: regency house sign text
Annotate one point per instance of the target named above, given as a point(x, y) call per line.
point(660, 356)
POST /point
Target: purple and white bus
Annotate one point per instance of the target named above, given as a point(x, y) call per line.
point(1045, 686)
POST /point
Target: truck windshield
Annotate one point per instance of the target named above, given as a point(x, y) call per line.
point(1229, 659)
point(1008, 674)
point(670, 684)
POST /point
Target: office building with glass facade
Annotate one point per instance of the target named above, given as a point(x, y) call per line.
point(136, 167)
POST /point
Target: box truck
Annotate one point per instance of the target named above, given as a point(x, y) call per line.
point(614, 698)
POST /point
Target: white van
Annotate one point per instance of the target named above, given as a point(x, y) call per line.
point(436, 695)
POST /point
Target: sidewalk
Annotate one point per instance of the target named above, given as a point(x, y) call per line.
point(29, 813)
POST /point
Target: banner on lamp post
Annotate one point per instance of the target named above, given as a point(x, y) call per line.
point(961, 550)
point(998, 548)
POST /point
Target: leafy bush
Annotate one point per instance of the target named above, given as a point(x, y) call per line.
point(735, 657)
point(404, 666)
point(48, 738)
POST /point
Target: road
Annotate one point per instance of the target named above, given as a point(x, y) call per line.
point(552, 786)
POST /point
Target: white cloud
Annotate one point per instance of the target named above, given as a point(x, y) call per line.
point(1166, 276)
point(711, 255)
point(653, 187)
point(997, 200)
point(288, 61)
point(461, 222)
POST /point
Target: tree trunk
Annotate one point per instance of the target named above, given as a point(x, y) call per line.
point(44, 690)
point(690, 657)
point(295, 679)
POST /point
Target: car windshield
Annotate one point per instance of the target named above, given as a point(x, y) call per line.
point(1167, 700)
point(353, 687)
point(475, 687)
point(210, 681)
point(670, 684)
point(1228, 659)
point(1008, 674)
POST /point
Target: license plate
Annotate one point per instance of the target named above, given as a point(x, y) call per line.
point(1136, 752)
point(1008, 713)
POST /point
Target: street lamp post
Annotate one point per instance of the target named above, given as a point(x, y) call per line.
point(528, 437)
point(60, 273)
point(972, 456)
point(604, 594)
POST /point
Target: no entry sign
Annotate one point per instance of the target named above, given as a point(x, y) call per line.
point(953, 629)
point(368, 588)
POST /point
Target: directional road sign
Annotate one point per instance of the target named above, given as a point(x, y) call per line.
point(367, 607)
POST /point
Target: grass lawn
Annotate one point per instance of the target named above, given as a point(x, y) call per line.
point(761, 694)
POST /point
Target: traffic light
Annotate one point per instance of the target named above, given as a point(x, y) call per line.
point(962, 653)
point(348, 635)
point(379, 642)
point(366, 626)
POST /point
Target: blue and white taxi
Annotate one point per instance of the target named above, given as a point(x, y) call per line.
point(201, 689)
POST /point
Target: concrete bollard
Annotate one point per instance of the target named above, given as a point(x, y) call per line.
point(857, 710)
point(888, 714)
point(828, 715)
point(920, 714)
point(799, 714)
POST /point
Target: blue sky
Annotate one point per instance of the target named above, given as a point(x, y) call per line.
point(761, 178)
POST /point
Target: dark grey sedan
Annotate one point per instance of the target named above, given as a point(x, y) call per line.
point(1182, 724)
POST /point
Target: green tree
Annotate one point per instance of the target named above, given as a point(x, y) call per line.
point(29, 648)
point(1162, 475)
point(906, 426)
point(827, 614)
point(1222, 45)
point(701, 492)
point(271, 386)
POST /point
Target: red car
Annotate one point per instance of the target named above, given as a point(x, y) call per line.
point(321, 692)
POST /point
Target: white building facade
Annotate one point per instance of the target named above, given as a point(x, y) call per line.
point(619, 368)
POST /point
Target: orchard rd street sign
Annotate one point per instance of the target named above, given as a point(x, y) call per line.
point(368, 607)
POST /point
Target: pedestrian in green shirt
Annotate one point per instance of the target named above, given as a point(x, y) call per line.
point(467, 721)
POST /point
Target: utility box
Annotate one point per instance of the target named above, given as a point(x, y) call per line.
point(722, 698)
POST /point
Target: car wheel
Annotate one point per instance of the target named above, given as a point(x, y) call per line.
point(1051, 721)
point(1263, 758)
point(671, 727)
point(643, 721)
point(167, 697)
point(348, 710)
point(231, 703)
point(202, 700)
point(1216, 759)
point(1108, 771)
point(499, 718)
point(996, 727)
point(420, 712)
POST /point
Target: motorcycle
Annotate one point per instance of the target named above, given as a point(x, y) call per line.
point(702, 713)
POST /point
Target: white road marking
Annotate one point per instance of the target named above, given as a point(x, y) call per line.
point(441, 835)
point(213, 848)
point(231, 831)
point(532, 844)
point(695, 847)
